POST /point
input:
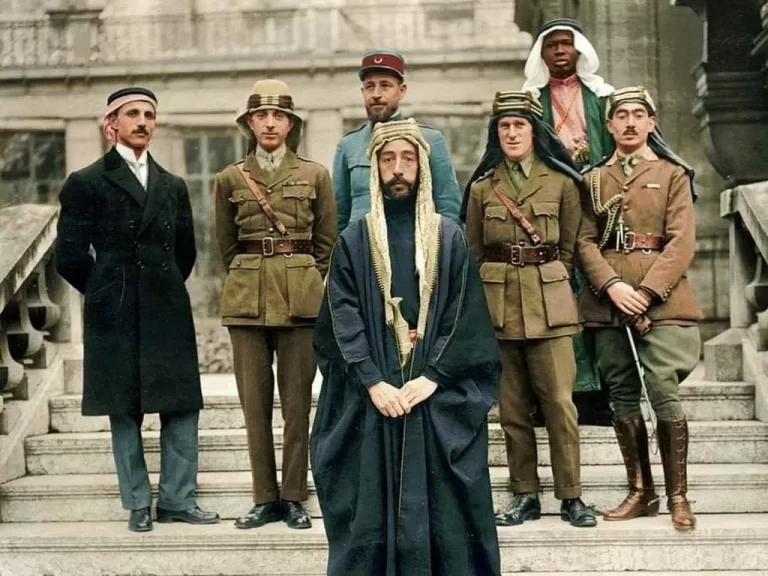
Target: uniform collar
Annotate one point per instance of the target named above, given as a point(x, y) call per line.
point(645, 153)
point(526, 164)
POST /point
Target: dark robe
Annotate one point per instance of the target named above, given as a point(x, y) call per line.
point(405, 496)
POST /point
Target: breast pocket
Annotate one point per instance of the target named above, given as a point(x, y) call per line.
point(547, 221)
point(359, 178)
point(298, 205)
point(496, 227)
point(559, 300)
point(250, 216)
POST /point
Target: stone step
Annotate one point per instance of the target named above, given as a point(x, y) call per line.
point(226, 450)
point(720, 543)
point(713, 489)
point(702, 401)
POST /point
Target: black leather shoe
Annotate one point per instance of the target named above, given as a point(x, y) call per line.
point(140, 520)
point(295, 516)
point(262, 514)
point(577, 513)
point(190, 516)
point(524, 507)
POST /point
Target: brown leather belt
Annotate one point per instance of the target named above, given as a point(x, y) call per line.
point(634, 241)
point(272, 246)
point(521, 255)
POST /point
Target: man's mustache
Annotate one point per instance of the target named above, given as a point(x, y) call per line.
point(630, 132)
point(141, 131)
point(394, 181)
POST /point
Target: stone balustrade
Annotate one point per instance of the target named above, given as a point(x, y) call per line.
point(29, 316)
point(68, 38)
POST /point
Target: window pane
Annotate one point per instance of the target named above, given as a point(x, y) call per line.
point(48, 156)
point(221, 152)
point(193, 155)
point(14, 155)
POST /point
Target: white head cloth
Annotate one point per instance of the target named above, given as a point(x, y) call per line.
point(537, 73)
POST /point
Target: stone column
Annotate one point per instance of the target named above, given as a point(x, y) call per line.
point(84, 142)
point(324, 130)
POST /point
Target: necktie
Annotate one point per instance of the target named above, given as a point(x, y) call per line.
point(628, 163)
point(516, 174)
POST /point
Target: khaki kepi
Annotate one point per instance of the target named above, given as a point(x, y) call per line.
point(634, 94)
point(270, 94)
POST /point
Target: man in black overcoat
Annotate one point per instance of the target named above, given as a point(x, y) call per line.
point(126, 241)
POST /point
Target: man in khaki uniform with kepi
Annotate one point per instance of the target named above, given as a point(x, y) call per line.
point(275, 225)
point(523, 213)
point(636, 241)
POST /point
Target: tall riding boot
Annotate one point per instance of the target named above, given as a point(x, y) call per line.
point(642, 499)
point(673, 446)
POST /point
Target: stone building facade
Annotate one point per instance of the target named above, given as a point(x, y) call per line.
point(60, 58)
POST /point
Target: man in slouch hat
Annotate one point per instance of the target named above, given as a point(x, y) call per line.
point(410, 370)
point(382, 73)
point(275, 225)
point(125, 240)
point(523, 212)
point(636, 241)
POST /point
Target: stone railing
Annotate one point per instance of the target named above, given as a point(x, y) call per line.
point(85, 38)
point(28, 315)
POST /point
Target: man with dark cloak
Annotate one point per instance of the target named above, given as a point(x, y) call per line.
point(399, 446)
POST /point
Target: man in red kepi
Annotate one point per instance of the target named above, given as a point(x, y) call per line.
point(382, 73)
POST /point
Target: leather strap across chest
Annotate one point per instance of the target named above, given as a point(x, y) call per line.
point(262, 200)
point(519, 217)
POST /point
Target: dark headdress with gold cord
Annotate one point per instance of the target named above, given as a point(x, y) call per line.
point(547, 146)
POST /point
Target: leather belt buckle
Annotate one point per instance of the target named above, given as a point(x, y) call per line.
point(268, 246)
point(515, 255)
point(629, 240)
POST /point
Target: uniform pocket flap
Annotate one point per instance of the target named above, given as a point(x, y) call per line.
point(553, 272)
point(551, 209)
point(493, 272)
point(303, 192)
point(246, 262)
point(300, 261)
point(496, 213)
point(239, 196)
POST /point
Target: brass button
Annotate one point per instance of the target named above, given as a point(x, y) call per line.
point(522, 243)
point(625, 188)
point(626, 207)
point(269, 190)
point(270, 230)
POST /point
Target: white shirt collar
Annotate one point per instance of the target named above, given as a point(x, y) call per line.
point(130, 156)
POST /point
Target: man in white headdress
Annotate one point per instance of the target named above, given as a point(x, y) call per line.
point(561, 71)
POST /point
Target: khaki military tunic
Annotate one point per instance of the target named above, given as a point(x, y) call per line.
point(655, 199)
point(527, 301)
point(534, 312)
point(280, 290)
point(269, 304)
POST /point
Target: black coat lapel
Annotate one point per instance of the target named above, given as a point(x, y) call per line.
point(157, 190)
point(118, 172)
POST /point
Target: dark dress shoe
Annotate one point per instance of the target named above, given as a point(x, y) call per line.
point(262, 514)
point(190, 516)
point(577, 513)
point(140, 520)
point(524, 507)
point(296, 517)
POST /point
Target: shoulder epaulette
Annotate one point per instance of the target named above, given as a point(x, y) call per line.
point(597, 164)
point(484, 175)
point(308, 160)
point(356, 129)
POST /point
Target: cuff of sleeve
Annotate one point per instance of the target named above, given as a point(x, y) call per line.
point(655, 296)
point(608, 284)
point(436, 377)
point(366, 372)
